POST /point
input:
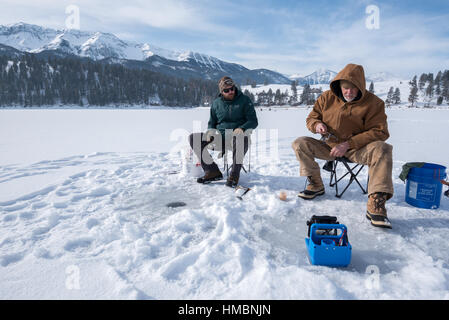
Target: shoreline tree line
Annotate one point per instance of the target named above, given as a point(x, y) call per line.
point(31, 81)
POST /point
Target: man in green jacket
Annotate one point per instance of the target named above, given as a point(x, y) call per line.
point(232, 117)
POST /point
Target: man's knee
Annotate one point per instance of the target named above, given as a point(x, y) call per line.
point(194, 137)
point(301, 143)
point(382, 148)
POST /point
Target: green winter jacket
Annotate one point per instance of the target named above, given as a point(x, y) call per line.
point(238, 113)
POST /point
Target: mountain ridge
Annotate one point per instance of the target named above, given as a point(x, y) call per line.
point(100, 46)
point(180, 63)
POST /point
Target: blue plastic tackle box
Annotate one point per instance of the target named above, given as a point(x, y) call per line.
point(328, 244)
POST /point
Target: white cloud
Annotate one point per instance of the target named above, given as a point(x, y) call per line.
point(404, 44)
point(180, 15)
point(165, 14)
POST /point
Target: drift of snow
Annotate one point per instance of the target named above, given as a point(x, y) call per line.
point(83, 213)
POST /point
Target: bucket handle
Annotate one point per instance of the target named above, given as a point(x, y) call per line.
point(437, 177)
point(446, 193)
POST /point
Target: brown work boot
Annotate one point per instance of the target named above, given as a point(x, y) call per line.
point(232, 181)
point(210, 176)
point(233, 178)
point(376, 211)
point(314, 188)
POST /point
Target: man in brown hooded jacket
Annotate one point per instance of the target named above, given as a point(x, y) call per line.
point(353, 122)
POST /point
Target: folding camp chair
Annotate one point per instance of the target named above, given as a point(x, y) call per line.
point(226, 165)
point(353, 171)
point(228, 150)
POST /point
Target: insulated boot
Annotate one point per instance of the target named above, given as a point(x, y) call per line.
point(314, 188)
point(210, 176)
point(232, 180)
point(376, 211)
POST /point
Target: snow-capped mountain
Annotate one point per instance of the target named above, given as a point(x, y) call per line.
point(382, 76)
point(100, 46)
point(95, 45)
point(317, 77)
point(325, 76)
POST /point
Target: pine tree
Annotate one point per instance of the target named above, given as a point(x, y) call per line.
point(389, 99)
point(429, 90)
point(413, 97)
point(422, 81)
point(261, 98)
point(307, 97)
point(445, 86)
point(278, 97)
point(397, 96)
point(294, 96)
point(305, 92)
point(437, 83)
point(270, 97)
point(249, 94)
point(285, 97)
point(371, 87)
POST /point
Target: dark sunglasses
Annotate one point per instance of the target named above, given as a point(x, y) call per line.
point(228, 89)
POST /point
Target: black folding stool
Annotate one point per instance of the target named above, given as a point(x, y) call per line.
point(353, 171)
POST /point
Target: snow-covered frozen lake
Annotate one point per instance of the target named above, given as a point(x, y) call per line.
point(83, 213)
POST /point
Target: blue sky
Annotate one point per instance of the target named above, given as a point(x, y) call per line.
point(291, 37)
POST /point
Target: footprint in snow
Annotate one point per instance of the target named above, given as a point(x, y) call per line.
point(92, 223)
point(9, 218)
point(27, 215)
point(8, 259)
point(75, 245)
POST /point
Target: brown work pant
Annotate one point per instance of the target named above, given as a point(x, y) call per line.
point(377, 155)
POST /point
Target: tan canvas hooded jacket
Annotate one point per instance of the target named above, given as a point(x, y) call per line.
point(358, 122)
